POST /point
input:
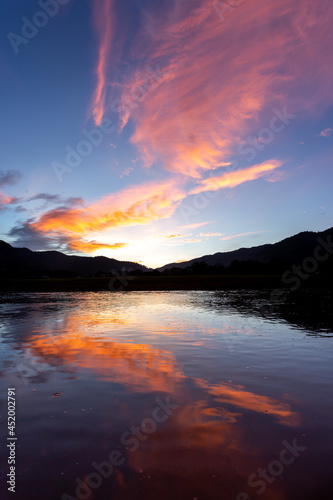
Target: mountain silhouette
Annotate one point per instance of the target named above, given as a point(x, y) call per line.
point(289, 251)
point(22, 262)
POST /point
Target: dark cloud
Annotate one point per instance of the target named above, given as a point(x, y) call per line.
point(51, 198)
point(9, 177)
point(57, 199)
point(20, 209)
point(27, 236)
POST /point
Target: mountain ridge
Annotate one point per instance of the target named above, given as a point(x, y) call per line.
point(23, 261)
point(28, 263)
point(300, 246)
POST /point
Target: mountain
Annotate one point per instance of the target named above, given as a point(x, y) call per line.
point(291, 250)
point(22, 262)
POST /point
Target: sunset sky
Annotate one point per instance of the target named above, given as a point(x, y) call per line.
point(158, 131)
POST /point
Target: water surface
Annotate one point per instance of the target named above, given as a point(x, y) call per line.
point(198, 397)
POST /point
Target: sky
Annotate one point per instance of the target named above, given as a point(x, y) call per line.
point(160, 131)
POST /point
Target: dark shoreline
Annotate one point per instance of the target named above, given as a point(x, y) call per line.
point(158, 283)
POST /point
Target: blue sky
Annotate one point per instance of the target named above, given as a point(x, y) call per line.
point(175, 94)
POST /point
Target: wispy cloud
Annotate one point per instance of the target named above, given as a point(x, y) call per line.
point(103, 19)
point(174, 236)
point(217, 82)
point(233, 179)
point(127, 171)
point(196, 225)
point(9, 177)
point(225, 238)
point(6, 200)
point(193, 240)
point(220, 80)
point(57, 199)
point(327, 132)
point(209, 235)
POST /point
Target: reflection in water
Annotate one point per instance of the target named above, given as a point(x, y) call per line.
point(307, 309)
point(111, 357)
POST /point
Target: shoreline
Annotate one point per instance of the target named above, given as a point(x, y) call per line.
point(157, 283)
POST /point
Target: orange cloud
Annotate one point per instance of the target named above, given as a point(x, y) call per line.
point(143, 367)
point(218, 82)
point(91, 246)
point(232, 179)
point(133, 206)
point(238, 396)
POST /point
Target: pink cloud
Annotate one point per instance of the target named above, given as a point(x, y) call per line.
point(103, 19)
point(225, 238)
point(327, 132)
point(196, 225)
point(218, 79)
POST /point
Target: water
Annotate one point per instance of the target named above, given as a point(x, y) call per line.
point(188, 395)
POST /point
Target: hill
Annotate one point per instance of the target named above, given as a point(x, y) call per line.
point(289, 251)
point(22, 262)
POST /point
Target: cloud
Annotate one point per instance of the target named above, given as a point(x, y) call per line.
point(74, 227)
point(209, 235)
point(174, 236)
point(26, 235)
point(277, 176)
point(57, 199)
point(193, 240)
point(6, 200)
point(20, 209)
point(103, 20)
point(91, 246)
point(225, 238)
point(219, 80)
point(10, 177)
point(194, 226)
point(327, 132)
point(233, 179)
point(208, 86)
point(127, 171)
